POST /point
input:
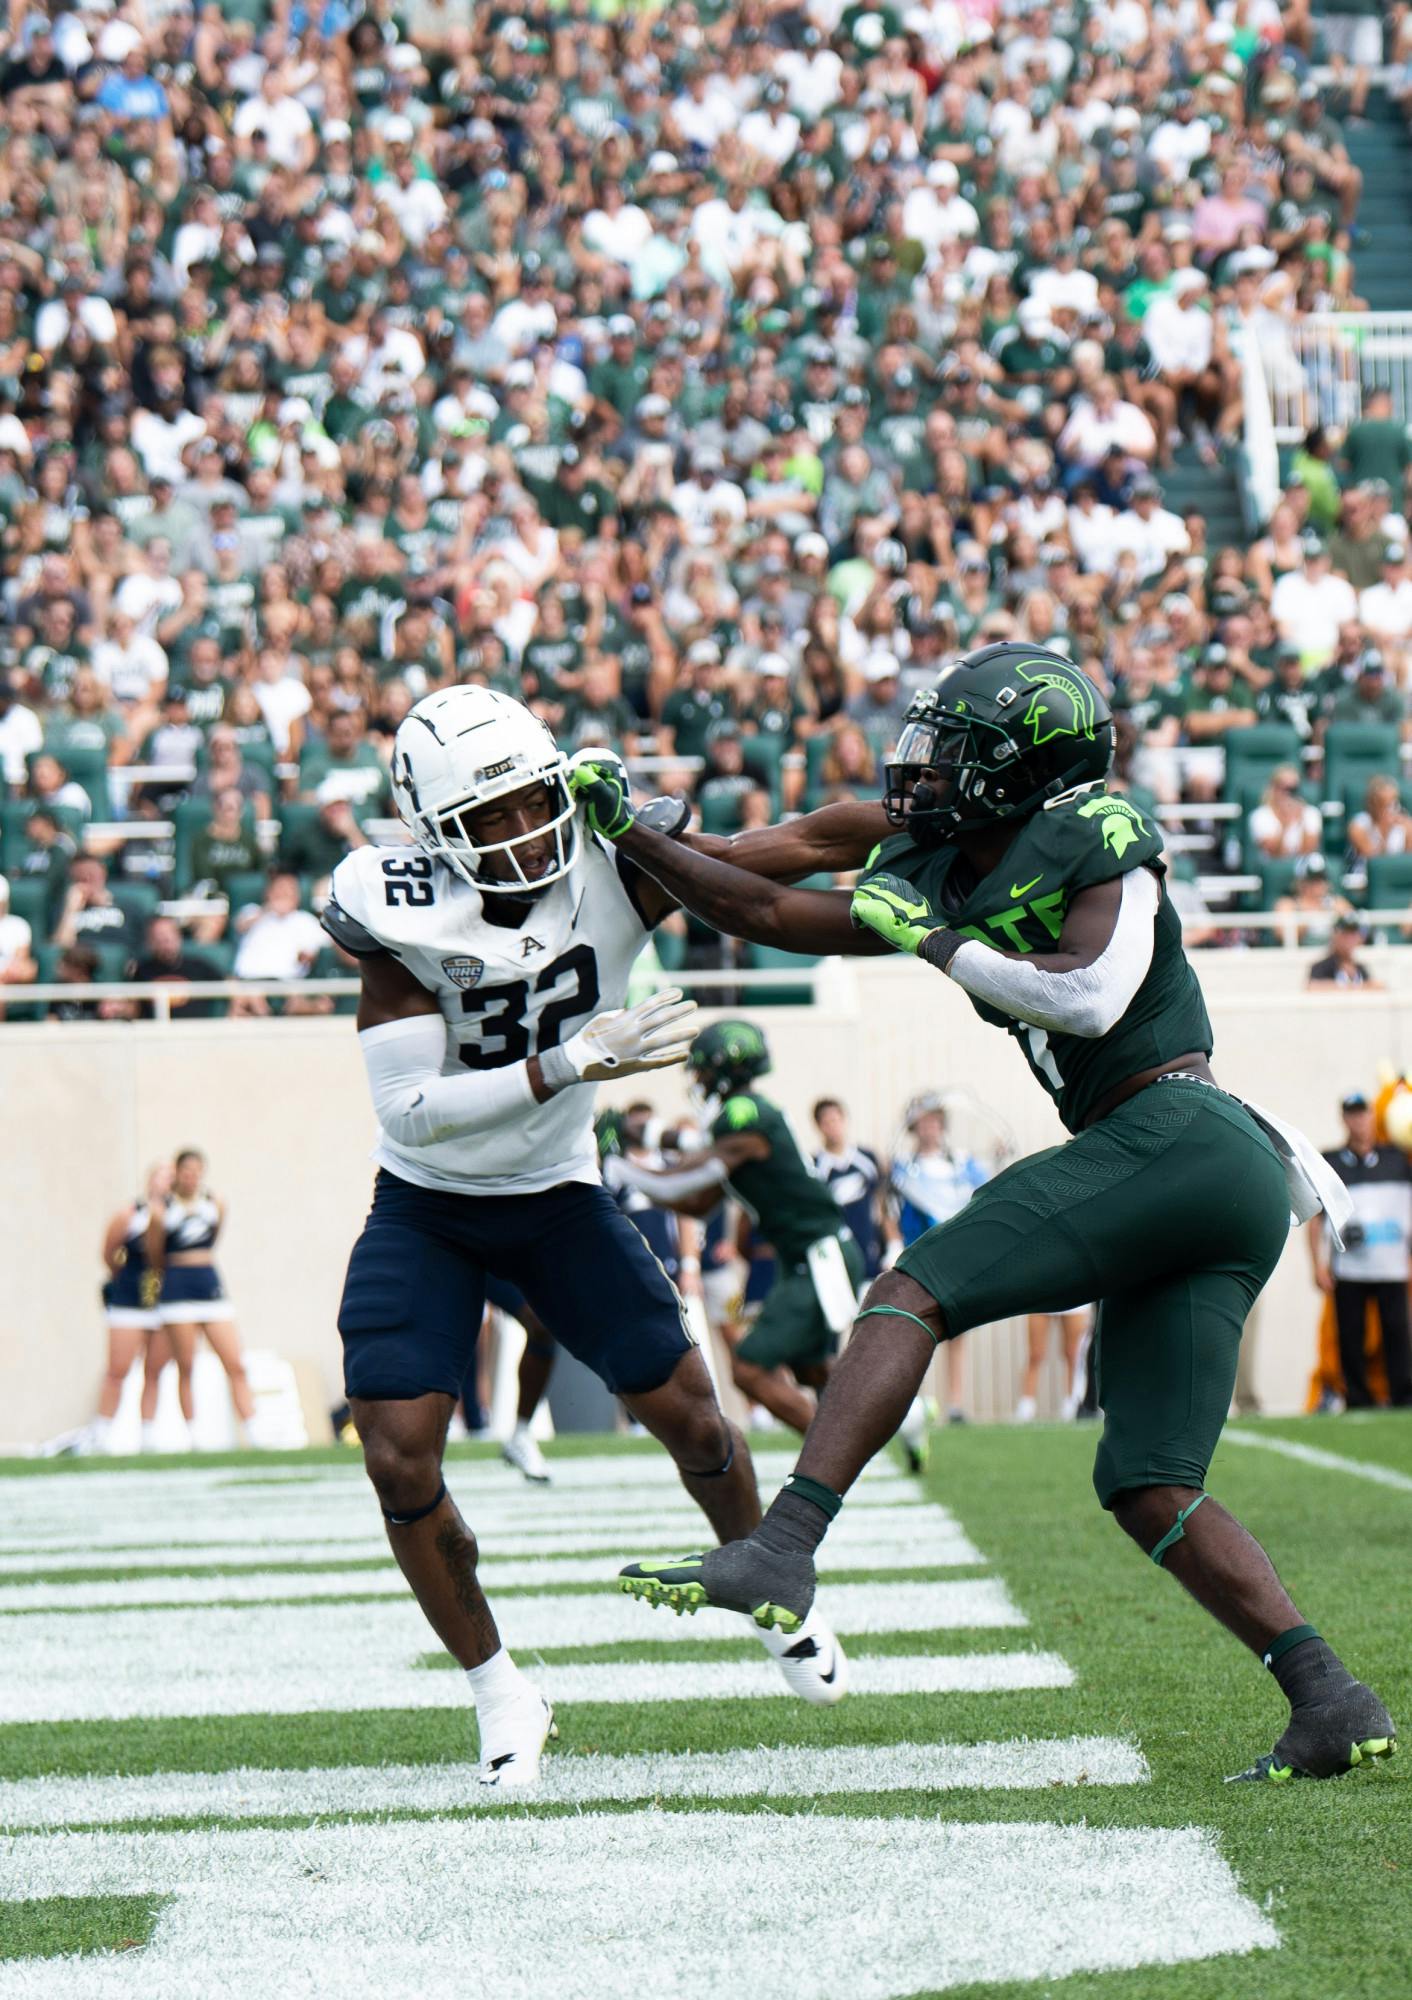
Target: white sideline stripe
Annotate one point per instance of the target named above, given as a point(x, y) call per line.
point(917, 1529)
point(784, 1773)
point(260, 1584)
point(331, 1674)
point(1326, 1461)
point(887, 1906)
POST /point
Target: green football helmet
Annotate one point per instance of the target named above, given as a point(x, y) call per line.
point(727, 1057)
point(1004, 730)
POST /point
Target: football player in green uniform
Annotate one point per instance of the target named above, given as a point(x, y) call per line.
point(1005, 864)
point(755, 1155)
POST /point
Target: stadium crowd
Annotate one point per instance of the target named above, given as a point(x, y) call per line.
point(703, 375)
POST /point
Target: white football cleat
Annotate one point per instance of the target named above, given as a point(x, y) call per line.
point(813, 1663)
point(512, 1739)
point(1026, 1410)
point(914, 1435)
point(521, 1451)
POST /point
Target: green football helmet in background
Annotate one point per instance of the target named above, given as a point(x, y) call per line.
point(727, 1057)
point(1004, 730)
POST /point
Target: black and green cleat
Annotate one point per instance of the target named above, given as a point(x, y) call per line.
point(679, 1583)
point(1327, 1738)
point(1272, 1768)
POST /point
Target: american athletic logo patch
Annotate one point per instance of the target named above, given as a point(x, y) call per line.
point(463, 972)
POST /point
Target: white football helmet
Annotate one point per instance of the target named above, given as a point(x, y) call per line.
point(462, 748)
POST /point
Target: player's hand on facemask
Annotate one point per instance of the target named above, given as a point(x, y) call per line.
point(899, 913)
point(654, 1034)
point(599, 782)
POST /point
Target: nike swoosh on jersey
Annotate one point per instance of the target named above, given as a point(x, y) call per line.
point(1017, 893)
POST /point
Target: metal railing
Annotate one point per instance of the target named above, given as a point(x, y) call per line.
point(1317, 369)
point(1260, 487)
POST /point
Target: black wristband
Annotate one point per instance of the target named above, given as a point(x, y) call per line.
point(671, 817)
point(939, 947)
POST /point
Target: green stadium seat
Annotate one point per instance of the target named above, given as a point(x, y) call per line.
point(138, 899)
point(670, 947)
point(722, 813)
point(1355, 752)
point(1253, 754)
point(1276, 880)
point(763, 755)
point(245, 888)
point(28, 899)
point(1390, 883)
point(766, 958)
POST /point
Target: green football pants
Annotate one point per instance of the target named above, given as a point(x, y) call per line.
point(1171, 1213)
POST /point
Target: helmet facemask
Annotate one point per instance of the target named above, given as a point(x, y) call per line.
point(448, 836)
point(943, 776)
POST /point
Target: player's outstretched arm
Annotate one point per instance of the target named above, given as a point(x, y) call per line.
point(694, 1185)
point(743, 905)
point(832, 841)
point(749, 906)
point(1083, 987)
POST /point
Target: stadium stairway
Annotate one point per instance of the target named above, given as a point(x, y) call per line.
point(1382, 267)
point(1189, 487)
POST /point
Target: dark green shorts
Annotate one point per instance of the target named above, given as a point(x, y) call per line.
point(790, 1329)
point(1171, 1212)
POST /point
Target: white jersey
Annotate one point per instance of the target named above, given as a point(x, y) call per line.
point(506, 992)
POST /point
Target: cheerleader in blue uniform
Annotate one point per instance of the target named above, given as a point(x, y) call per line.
point(181, 1240)
point(130, 1308)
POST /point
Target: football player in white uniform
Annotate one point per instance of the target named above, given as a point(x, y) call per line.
point(495, 955)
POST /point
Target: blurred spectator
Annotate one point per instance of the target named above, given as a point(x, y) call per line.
point(1342, 967)
point(17, 961)
point(1314, 900)
point(76, 965)
point(1285, 824)
point(278, 941)
point(1384, 826)
point(90, 913)
point(1372, 1267)
point(166, 959)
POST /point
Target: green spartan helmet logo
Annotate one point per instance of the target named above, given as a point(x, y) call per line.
point(1061, 705)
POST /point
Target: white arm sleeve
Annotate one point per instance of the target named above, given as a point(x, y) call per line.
point(1087, 1001)
point(416, 1105)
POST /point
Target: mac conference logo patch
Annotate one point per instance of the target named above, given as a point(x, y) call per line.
point(463, 972)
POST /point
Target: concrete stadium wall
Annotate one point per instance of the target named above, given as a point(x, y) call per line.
point(281, 1109)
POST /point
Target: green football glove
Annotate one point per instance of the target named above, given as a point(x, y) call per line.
point(598, 780)
point(897, 911)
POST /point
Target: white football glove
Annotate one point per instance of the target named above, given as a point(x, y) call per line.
point(654, 1034)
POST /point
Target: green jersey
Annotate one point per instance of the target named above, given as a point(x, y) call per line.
point(791, 1205)
point(1078, 842)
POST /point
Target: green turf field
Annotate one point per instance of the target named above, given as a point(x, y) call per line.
point(212, 1671)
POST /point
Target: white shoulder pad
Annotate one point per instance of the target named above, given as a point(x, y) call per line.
point(380, 899)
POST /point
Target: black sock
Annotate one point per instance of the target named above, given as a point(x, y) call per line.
point(1311, 1672)
point(796, 1522)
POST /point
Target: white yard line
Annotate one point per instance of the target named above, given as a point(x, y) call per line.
point(783, 1773)
point(334, 1677)
point(289, 1578)
point(681, 1906)
point(341, 1656)
point(605, 1618)
point(909, 1536)
point(1326, 1461)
